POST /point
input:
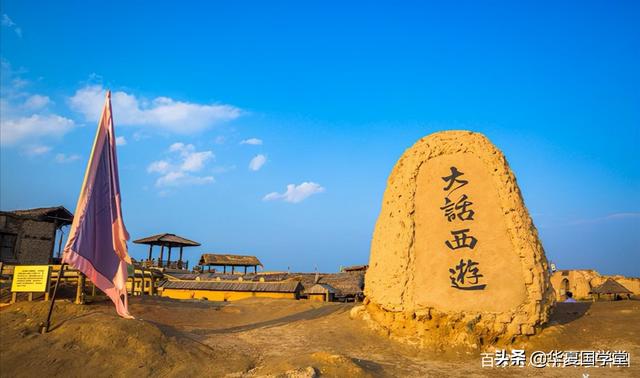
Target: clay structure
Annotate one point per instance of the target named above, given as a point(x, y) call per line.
point(455, 257)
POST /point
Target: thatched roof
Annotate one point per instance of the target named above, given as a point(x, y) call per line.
point(168, 240)
point(345, 284)
point(229, 260)
point(272, 287)
point(356, 268)
point(50, 214)
point(611, 286)
point(321, 289)
point(186, 276)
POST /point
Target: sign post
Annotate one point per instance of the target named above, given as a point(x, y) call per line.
point(29, 279)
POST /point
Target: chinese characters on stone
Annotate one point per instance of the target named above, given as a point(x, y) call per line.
point(466, 274)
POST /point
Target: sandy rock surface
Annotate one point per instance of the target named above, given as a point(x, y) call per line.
point(455, 258)
point(276, 338)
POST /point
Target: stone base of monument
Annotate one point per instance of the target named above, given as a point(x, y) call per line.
point(429, 328)
point(455, 258)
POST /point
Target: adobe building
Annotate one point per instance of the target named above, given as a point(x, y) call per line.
point(320, 293)
point(581, 282)
point(230, 291)
point(29, 236)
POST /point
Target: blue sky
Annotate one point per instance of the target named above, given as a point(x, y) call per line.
point(325, 96)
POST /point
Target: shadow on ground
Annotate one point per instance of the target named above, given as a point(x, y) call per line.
point(567, 312)
point(305, 315)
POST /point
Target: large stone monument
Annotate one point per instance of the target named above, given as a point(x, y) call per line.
point(455, 258)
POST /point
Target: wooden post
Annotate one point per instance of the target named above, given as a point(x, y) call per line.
point(46, 293)
point(169, 258)
point(79, 288)
point(161, 256)
point(181, 255)
point(14, 297)
point(150, 251)
point(245, 269)
point(224, 269)
point(60, 243)
point(53, 241)
point(233, 269)
point(255, 269)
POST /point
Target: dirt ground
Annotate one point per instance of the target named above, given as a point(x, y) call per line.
point(268, 337)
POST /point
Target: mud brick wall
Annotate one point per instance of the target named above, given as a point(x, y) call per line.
point(35, 239)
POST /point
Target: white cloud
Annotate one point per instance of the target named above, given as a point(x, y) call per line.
point(138, 136)
point(37, 150)
point(62, 158)
point(121, 141)
point(194, 162)
point(19, 83)
point(257, 162)
point(24, 118)
point(179, 169)
point(33, 127)
point(36, 102)
point(296, 193)
point(223, 169)
point(162, 112)
point(252, 141)
point(160, 166)
point(182, 179)
point(182, 148)
point(8, 22)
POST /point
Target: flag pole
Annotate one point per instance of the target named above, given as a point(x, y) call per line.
point(44, 327)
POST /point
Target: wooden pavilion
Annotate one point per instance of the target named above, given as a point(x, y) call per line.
point(233, 261)
point(613, 288)
point(169, 241)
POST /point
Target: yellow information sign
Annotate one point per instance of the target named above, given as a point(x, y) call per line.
point(30, 278)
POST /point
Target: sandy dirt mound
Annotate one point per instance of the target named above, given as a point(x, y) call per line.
point(92, 339)
point(275, 338)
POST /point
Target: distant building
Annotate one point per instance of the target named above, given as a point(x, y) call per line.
point(209, 260)
point(230, 291)
point(356, 268)
point(29, 236)
point(168, 241)
point(321, 292)
point(347, 286)
point(613, 288)
point(581, 282)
